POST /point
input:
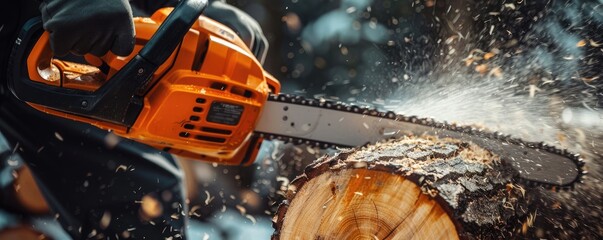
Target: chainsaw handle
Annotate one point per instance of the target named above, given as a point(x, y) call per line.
point(172, 30)
point(119, 100)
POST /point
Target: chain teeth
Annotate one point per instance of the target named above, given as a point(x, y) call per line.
point(299, 100)
point(298, 141)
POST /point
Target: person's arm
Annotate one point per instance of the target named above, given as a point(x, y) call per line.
point(97, 183)
point(89, 26)
point(244, 25)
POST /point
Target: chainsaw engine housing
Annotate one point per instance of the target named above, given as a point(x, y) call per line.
point(202, 102)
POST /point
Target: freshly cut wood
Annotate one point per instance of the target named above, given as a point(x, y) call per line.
point(29, 194)
point(24, 195)
point(339, 199)
point(412, 188)
point(21, 233)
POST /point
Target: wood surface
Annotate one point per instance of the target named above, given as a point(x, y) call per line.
point(411, 188)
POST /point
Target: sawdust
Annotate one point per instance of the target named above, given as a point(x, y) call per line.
point(428, 155)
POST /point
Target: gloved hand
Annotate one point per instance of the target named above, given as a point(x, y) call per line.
point(244, 25)
point(93, 26)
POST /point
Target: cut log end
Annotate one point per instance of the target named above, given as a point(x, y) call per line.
point(412, 188)
point(357, 204)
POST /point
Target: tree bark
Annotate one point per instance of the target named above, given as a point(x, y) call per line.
point(412, 188)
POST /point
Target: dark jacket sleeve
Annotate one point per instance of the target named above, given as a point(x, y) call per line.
point(11, 20)
point(143, 8)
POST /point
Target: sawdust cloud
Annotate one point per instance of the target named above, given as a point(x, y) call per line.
point(486, 104)
point(543, 88)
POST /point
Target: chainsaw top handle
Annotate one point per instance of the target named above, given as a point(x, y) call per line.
point(119, 100)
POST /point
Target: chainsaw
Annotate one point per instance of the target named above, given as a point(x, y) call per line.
point(193, 88)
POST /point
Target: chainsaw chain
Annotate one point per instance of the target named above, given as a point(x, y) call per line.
point(323, 103)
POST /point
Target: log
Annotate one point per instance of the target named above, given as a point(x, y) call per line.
point(23, 195)
point(29, 194)
point(21, 233)
point(411, 188)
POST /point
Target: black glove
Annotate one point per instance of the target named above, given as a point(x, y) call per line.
point(93, 26)
point(244, 25)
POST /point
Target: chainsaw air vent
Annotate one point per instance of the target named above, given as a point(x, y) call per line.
point(194, 118)
point(197, 109)
point(184, 134)
point(189, 126)
point(241, 92)
point(200, 100)
point(216, 130)
point(218, 85)
point(210, 139)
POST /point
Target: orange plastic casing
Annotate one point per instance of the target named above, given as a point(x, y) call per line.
point(204, 101)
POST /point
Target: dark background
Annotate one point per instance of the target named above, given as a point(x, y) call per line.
point(541, 81)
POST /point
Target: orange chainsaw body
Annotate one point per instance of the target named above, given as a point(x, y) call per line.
point(204, 101)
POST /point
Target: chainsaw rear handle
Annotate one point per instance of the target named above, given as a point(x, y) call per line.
point(119, 100)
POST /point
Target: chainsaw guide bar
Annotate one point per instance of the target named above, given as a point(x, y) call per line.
point(325, 124)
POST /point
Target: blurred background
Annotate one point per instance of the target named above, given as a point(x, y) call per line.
point(529, 68)
point(532, 69)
